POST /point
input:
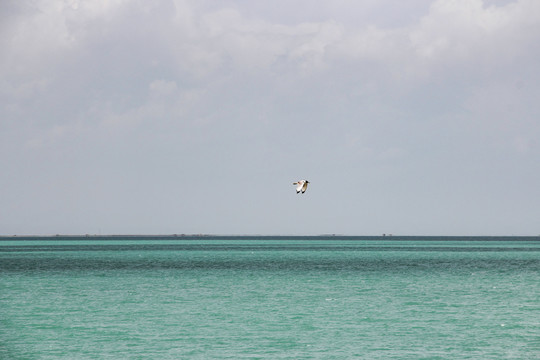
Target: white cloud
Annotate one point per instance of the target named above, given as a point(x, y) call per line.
point(463, 30)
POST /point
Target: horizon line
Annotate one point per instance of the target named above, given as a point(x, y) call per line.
point(209, 235)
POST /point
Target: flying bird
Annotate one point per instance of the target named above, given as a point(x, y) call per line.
point(301, 185)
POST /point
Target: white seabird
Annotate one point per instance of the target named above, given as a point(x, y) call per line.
point(301, 185)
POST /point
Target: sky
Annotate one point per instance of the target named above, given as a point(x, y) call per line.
point(416, 117)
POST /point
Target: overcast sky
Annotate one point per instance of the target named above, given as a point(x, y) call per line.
point(418, 117)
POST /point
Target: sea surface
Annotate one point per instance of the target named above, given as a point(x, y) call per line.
point(326, 297)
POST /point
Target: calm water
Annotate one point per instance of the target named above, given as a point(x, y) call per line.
point(296, 298)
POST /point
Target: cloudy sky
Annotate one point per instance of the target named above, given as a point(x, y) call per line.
point(417, 117)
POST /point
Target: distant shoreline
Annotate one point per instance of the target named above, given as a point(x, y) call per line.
point(60, 237)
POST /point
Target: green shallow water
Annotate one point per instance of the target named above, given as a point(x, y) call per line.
point(267, 298)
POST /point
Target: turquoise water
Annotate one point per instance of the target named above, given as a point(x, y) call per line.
point(288, 298)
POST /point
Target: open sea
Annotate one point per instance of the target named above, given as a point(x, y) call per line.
point(325, 297)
